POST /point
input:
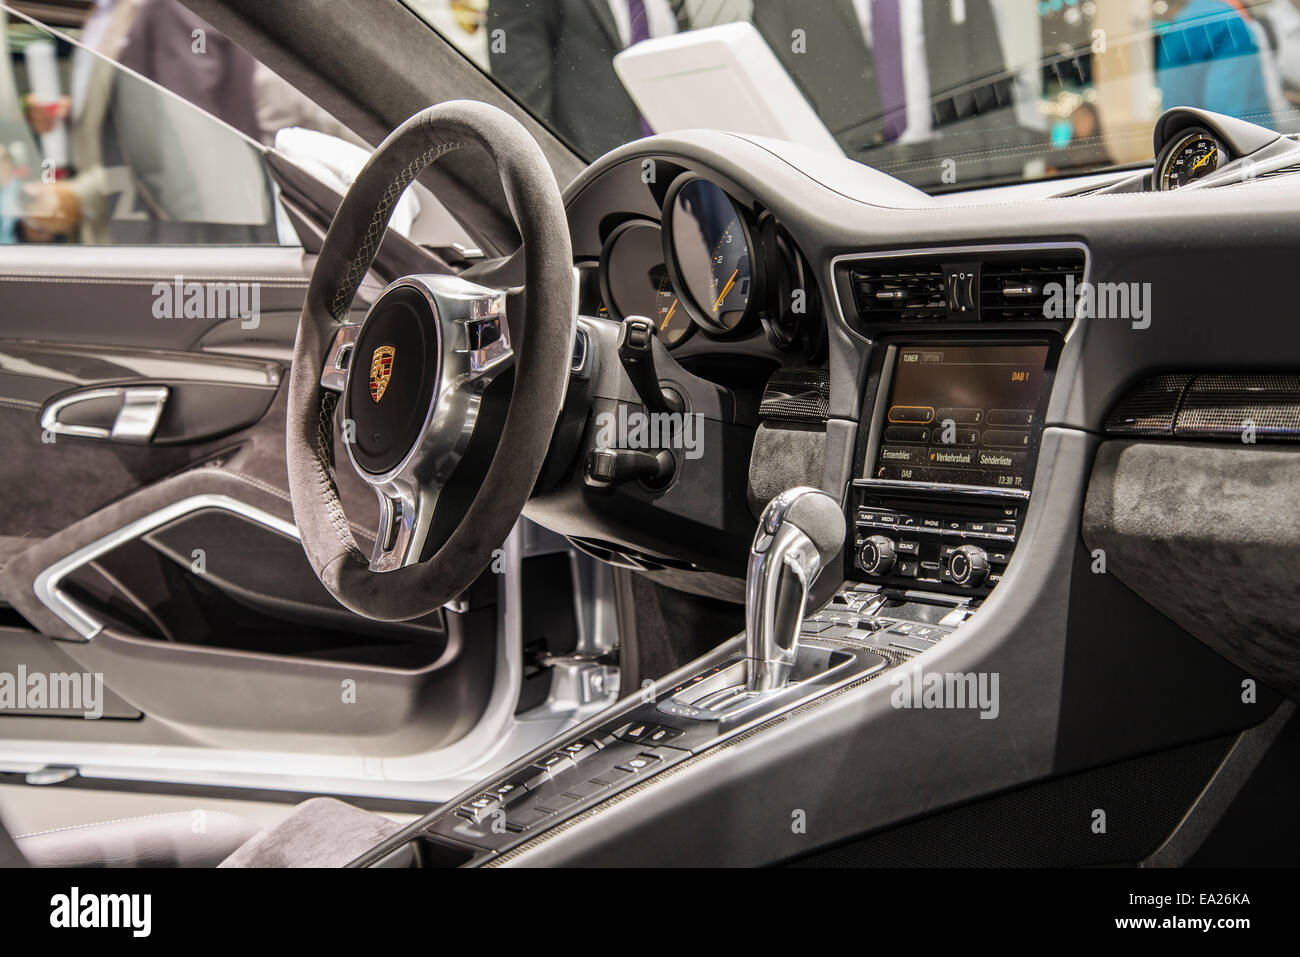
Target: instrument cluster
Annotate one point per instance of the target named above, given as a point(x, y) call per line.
point(708, 264)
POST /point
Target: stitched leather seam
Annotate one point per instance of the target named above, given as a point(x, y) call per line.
point(127, 820)
point(325, 478)
point(378, 224)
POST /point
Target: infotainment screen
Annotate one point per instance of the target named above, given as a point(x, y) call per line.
point(962, 415)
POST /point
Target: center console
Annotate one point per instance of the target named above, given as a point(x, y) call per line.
point(947, 464)
point(926, 530)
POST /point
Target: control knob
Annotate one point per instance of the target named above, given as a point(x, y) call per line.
point(876, 556)
point(969, 566)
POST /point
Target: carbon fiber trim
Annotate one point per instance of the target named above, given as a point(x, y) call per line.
point(1227, 406)
point(797, 395)
point(1151, 408)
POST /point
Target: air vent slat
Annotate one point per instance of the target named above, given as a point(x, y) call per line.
point(1018, 291)
point(896, 293)
point(998, 287)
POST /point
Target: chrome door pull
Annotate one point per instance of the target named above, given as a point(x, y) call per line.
point(138, 414)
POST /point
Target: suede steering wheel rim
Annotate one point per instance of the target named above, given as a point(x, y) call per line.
point(434, 339)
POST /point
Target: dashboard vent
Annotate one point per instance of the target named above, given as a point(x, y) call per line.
point(966, 286)
point(1017, 290)
point(1283, 171)
point(899, 292)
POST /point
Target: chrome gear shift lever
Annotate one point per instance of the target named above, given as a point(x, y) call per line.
point(800, 532)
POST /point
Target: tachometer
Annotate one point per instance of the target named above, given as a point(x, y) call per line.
point(707, 242)
point(672, 321)
point(1192, 156)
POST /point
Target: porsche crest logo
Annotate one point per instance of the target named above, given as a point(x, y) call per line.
point(381, 370)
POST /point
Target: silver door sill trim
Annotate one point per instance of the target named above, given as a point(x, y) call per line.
point(46, 585)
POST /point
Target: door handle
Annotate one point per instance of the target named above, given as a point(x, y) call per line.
point(138, 412)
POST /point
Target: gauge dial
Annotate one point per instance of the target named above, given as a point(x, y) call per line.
point(672, 322)
point(635, 281)
point(1193, 156)
point(710, 247)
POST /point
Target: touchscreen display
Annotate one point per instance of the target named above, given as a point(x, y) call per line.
point(962, 415)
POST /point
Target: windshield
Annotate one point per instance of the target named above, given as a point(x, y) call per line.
point(943, 94)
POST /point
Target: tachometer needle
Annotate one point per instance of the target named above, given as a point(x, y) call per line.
point(671, 310)
point(726, 289)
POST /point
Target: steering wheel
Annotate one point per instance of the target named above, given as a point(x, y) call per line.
point(415, 378)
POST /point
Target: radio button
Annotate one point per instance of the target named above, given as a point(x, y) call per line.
point(968, 566)
point(876, 557)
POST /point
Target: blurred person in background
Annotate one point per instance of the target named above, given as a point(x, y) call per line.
point(929, 78)
point(1282, 18)
point(557, 56)
point(1208, 55)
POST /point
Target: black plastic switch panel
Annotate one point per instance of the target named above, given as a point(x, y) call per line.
point(525, 818)
point(639, 763)
point(636, 731)
point(662, 735)
point(585, 789)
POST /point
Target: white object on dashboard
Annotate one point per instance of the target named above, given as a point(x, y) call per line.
point(719, 78)
point(336, 163)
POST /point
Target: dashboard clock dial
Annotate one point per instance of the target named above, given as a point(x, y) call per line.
point(708, 241)
point(1192, 156)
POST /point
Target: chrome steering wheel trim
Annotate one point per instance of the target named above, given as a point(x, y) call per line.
point(472, 347)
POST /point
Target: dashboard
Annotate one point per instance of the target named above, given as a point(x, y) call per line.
point(863, 336)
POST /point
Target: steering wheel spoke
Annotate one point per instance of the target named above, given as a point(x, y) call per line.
point(334, 376)
point(404, 516)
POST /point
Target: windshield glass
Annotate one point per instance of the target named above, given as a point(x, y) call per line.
point(944, 94)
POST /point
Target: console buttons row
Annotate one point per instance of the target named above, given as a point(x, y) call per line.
point(972, 528)
point(918, 630)
point(579, 750)
point(556, 763)
point(478, 808)
point(508, 792)
point(649, 733)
